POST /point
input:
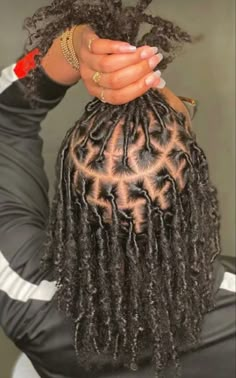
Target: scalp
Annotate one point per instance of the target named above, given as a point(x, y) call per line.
point(146, 165)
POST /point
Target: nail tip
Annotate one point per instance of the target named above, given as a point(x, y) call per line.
point(128, 48)
point(158, 73)
point(162, 84)
point(149, 53)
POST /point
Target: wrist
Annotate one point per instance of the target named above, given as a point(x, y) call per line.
point(77, 38)
point(56, 66)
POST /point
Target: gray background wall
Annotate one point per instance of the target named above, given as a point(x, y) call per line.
point(205, 72)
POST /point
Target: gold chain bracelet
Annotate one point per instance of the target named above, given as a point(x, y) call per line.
point(67, 48)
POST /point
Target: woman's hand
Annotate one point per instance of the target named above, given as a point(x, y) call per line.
point(126, 73)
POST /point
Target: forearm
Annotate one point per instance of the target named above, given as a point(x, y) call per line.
point(23, 183)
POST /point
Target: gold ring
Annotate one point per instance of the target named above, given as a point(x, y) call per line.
point(102, 97)
point(97, 77)
point(90, 44)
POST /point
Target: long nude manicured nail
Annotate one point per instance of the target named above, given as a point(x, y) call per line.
point(147, 53)
point(161, 84)
point(128, 48)
point(153, 62)
point(153, 77)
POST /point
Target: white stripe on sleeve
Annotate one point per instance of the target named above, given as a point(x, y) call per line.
point(7, 77)
point(21, 290)
point(229, 282)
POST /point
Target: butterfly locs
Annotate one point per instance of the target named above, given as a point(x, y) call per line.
point(134, 225)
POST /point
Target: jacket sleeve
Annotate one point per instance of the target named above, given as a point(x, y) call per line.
point(23, 192)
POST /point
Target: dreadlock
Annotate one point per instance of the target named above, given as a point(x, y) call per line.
point(134, 226)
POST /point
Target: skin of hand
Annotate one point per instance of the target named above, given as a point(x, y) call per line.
point(126, 72)
point(178, 105)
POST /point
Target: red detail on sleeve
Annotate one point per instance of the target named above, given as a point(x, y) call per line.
point(26, 64)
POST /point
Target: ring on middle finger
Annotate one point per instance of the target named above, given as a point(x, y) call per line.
point(97, 77)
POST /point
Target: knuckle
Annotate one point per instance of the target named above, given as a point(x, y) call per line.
point(141, 86)
point(105, 65)
point(115, 81)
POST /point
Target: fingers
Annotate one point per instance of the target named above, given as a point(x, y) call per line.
point(107, 46)
point(100, 46)
point(127, 76)
point(104, 55)
point(115, 62)
point(126, 71)
point(130, 92)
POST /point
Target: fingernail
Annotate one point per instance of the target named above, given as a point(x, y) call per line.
point(148, 52)
point(128, 48)
point(153, 62)
point(161, 84)
point(153, 77)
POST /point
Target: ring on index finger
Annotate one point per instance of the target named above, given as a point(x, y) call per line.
point(90, 44)
point(102, 96)
point(97, 77)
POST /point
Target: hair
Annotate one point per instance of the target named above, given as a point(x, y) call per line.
point(134, 225)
